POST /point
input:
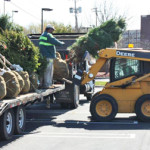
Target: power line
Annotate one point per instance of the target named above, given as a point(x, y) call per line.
point(25, 11)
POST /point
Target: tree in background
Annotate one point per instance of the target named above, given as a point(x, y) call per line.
point(59, 28)
point(106, 10)
point(6, 24)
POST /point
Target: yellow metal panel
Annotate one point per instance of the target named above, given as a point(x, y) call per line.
point(145, 87)
point(124, 106)
point(110, 53)
point(123, 81)
point(132, 106)
point(131, 94)
point(125, 98)
point(147, 79)
point(94, 69)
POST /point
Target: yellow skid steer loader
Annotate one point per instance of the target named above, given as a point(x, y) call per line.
point(129, 88)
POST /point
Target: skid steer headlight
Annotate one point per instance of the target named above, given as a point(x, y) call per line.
point(91, 75)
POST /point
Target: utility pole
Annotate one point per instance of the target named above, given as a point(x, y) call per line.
point(76, 10)
point(76, 19)
point(96, 14)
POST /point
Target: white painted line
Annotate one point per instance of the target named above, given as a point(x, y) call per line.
point(77, 133)
point(81, 135)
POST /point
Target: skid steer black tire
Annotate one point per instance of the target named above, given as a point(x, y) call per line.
point(142, 108)
point(103, 108)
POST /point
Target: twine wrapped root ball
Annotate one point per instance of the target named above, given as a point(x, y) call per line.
point(20, 79)
point(60, 68)
point(12, 84)
point(33, 82)
point(2, 88)
point(25, 76)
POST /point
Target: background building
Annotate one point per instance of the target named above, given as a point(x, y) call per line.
point(130, 37)
point(145, 31)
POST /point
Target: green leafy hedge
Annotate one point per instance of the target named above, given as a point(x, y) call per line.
point(20, 50)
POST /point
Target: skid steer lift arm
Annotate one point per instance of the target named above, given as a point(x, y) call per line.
point(105, 54)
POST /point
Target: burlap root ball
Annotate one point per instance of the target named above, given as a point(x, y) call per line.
point(20, 79)
point(25, 76)
point(60, 68)
point(33, 82)
point(2, 88)
point(12, 84)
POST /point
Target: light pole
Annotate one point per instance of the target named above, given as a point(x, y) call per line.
point(76, 10)
point(43, 9)
point(14, 11)
point(4, 5)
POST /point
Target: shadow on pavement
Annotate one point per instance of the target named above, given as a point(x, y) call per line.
point(116, 124)
point(37, 112)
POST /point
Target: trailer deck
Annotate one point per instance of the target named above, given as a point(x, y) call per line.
point(29, 98)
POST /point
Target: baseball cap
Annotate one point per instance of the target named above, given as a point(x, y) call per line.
point(49, 26)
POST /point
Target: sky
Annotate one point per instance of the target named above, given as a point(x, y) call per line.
point(29, 11)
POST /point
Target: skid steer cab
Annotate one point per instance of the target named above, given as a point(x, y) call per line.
point(129, 88)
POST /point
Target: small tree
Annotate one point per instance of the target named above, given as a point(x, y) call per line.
point(105, 10)
point(98, 38)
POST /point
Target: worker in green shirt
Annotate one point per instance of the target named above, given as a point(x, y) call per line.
point(47, 49)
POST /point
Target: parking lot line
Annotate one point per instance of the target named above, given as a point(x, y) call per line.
point(80, 135)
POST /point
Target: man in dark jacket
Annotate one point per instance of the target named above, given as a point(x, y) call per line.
point(47, 48)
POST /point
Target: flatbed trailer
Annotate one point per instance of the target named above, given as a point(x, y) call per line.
point(13, 113)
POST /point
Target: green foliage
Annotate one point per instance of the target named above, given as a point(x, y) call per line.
point(114, 28)
point(6, 24)
point(20, 50)
point(43, 64)
point(59, 28)
point(99, 38)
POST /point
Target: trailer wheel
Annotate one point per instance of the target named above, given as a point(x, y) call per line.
point(103, 108)
point(75, 96)
point(142, 108)
point(20, 119)
point(7, 124)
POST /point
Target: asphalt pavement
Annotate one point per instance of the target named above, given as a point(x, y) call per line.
point(64, 129)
